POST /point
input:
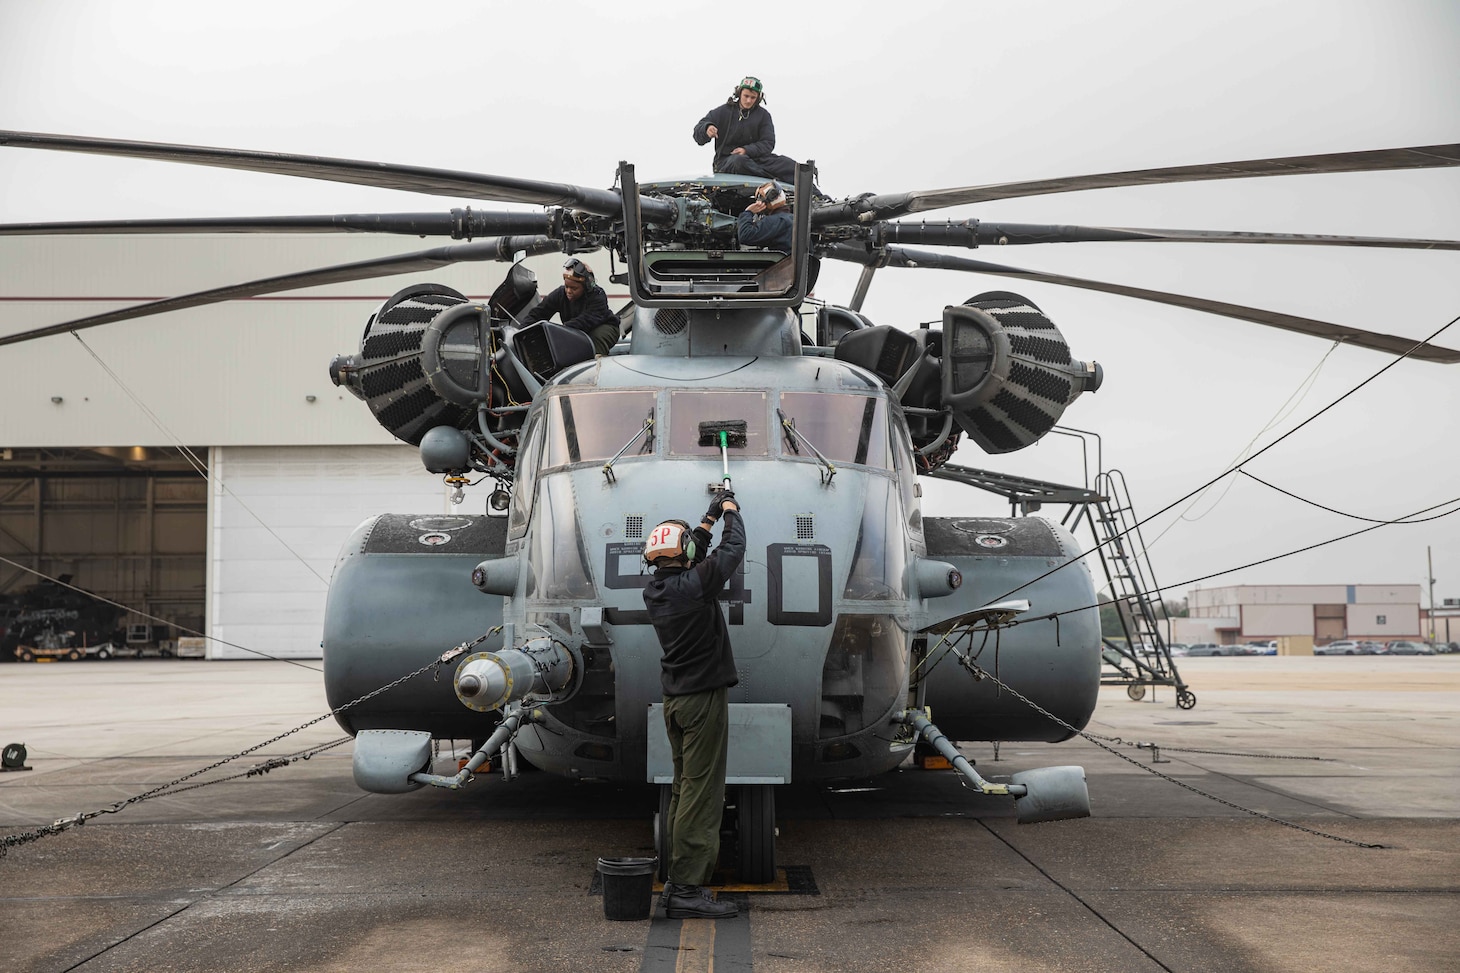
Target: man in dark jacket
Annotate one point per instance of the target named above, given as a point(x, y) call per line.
point(697, 670)
point(745, 136)
point(767, 221)
point(581, 304)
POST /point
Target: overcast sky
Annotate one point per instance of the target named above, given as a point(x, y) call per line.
point(888, 97)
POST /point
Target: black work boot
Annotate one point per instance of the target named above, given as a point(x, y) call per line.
point(696, 902)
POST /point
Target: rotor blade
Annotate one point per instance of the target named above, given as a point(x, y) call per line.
point(459, 224)
point(1393, 344)
point(416, 179)
point(497, 248)
point(976, 233)
point(882, 207)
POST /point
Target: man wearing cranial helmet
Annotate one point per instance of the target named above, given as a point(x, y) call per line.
point(745, 136)
point(581, 304)
point(697, 669)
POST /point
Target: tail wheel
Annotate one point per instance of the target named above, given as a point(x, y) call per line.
point(1186, 699)
point(1136, 690)
point(756, 827)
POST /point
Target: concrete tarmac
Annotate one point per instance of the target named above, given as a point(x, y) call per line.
point(296, 869)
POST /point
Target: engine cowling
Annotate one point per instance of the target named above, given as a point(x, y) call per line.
point(999, 367)
point(388, 372)
point(1007, 372)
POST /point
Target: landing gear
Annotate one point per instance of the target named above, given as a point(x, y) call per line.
point(755, 833)
point(1185, 698)
point(1136, 691)
point(756, 829)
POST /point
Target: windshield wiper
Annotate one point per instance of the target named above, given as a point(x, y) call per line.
point(789, 425)
point(647, 431)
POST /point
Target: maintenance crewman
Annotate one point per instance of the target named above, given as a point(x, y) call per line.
point(745, 136)
point(697, 670)
point(581, 304)
point(766, 222)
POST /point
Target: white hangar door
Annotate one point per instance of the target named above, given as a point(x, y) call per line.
point(277, 516)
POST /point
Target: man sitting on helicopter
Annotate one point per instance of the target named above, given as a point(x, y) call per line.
point(745, 135)
point(582, 305)
point(697, 670)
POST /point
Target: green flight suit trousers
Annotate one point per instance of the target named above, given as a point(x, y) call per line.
point(699, 737)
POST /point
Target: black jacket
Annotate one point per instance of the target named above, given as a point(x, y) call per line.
point(683, 605)
point(585, 314)
point(774, 231)
point(755, 133)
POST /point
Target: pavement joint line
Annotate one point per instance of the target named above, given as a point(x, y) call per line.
point(194, 900)
point(1074, 895)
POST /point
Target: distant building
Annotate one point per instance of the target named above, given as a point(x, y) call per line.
point(237, 537)
point(1244, 613)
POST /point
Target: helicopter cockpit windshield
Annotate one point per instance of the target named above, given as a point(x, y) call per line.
point(687, 409)
point(845, 428)
point(586, 427)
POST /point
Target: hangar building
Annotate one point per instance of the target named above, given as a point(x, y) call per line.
point(200, 466)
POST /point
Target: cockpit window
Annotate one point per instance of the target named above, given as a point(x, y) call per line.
point(557, 560)
point(525, 484)
point(587, 427)
point(879, 563)
point(687, 410)
point(845, 428)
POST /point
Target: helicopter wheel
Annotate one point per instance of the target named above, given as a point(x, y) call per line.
point(661, 830)
point(757, 832)
point(1186, 699)
point(73, 655)
point(1136, 690)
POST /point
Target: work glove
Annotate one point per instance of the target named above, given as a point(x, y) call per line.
point(717, 505)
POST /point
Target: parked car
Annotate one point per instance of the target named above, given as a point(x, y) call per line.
point(1371, 648)
point(1212, 648)
point(1268, 647)
point(1178, 649)
point(1405, 647)
point(1342, 647)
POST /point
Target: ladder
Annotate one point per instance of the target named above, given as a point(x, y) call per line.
point(1143, 659)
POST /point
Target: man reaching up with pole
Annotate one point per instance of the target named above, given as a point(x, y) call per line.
point(697, 669)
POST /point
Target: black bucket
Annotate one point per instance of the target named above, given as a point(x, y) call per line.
point(628, 887)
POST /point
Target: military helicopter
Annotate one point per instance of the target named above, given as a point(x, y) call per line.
point(855, 617)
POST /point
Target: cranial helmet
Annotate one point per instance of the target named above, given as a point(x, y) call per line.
point(577, 269)
point(671, 539)
point(772, 195)
point(754, 85)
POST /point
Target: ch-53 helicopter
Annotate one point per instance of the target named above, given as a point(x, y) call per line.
point(849, 597)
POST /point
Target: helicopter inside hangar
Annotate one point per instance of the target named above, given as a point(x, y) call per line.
point(849, 597)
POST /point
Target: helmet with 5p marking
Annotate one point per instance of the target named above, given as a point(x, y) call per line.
point(670, 540)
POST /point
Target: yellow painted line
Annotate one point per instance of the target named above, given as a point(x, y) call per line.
point(696, 946)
